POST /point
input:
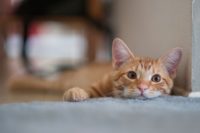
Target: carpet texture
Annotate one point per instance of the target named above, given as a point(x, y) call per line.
point(162, 115)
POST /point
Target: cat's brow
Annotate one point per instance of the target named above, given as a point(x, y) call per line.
point(166, 81)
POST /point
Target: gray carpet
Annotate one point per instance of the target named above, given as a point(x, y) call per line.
point(162, 115)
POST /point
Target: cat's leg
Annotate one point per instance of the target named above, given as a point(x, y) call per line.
point(95, 91)
point(178, 91)
point(194, 94)
point(100, 88)
point(80, 94)
point(75, 94)
point(182, 92)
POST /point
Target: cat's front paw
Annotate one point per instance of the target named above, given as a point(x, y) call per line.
point(75, 94)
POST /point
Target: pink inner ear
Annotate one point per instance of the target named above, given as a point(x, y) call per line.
point(172, 60)
point(120, 52)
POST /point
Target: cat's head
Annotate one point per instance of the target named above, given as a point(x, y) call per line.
point(142, 77)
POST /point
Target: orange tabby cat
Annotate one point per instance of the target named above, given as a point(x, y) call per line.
point(133, 77)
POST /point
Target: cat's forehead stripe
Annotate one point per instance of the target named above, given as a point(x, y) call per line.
point(146, 63)
point(149, 66)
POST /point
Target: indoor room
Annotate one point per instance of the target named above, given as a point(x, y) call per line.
point(99, 66)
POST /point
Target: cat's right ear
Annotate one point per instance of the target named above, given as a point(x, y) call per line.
point(120, 53)
point(171, 61)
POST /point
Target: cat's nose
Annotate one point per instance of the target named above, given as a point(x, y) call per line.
point(142, 87)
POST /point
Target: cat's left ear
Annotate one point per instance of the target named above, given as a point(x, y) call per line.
point(172, 60)
point(120, 53)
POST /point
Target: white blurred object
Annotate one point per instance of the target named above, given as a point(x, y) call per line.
point(194, 94)
point(56, 44)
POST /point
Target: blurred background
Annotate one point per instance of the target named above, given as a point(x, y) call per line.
point(44, 37)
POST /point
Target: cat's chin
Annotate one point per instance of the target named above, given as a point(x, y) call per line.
point(152, 94)
point(148, 95)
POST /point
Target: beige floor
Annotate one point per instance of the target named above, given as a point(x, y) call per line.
point(82, 76)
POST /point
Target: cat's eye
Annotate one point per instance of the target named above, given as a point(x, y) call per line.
point(132, 75)
point(156, 78)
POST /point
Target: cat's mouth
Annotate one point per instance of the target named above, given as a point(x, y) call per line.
point(146, 94)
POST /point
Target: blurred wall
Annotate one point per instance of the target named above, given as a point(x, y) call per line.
point(195, 45)
point(153, 27)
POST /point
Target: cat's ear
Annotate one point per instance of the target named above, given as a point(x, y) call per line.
point(120, 53)
point(172, 60)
